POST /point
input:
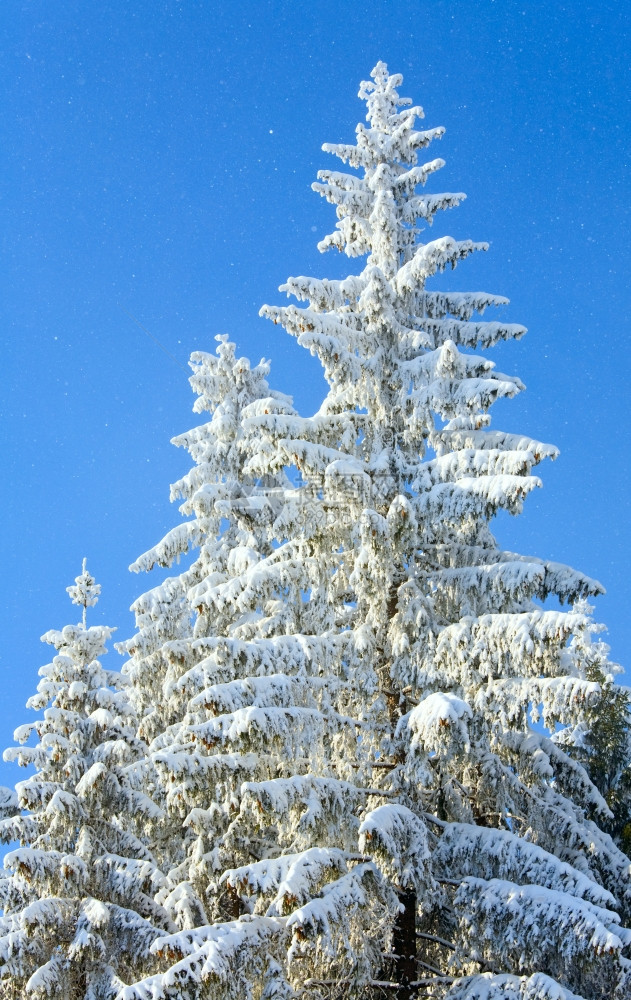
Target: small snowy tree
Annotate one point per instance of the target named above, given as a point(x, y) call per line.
point(602, 742)
point(351, 739)
point(169, 617)
point(79, 914)
point(177, 651)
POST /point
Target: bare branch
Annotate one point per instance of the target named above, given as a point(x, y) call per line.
point(436, 939)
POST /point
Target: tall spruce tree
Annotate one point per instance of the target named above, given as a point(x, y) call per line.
point(79, 914)
point(374, 813)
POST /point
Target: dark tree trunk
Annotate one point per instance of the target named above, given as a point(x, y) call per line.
point(404, 946)
point(404, 933)
point(230, 906)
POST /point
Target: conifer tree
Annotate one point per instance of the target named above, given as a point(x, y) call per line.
point(79, 914)
point(352, 740)
point(176, 651)
point(602, 742)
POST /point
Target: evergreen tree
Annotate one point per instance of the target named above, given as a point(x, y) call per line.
point(602, 742)
point(351, 739)
point(79, 914)
point(177, 652)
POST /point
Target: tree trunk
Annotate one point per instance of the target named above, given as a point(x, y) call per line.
point(404, 946)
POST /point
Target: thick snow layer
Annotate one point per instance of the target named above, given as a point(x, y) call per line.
point(464, 849)
point(438, 712)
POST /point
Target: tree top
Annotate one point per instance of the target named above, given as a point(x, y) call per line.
point(85, 591)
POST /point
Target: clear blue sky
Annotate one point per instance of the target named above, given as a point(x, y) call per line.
point(158, 157)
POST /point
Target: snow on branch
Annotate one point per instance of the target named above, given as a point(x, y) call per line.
point(527, 643)
point(328, 926)
point(530, 926)
point(467, 850)
point(288, 881)
point(177, 542)
point(431, 258)
point(397, 840)
point(439, 723)
point(503, 986)
point(309, 806)
point(223, 956)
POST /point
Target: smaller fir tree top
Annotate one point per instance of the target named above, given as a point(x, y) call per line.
point(77, 896)
point(85, 591)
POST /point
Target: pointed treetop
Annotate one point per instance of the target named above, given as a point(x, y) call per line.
point(382, 97)
point(85, 590)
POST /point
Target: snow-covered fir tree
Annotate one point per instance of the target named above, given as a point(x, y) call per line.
point(175, 649)
point(341, 692)
point(78, 894)
point(602, 742)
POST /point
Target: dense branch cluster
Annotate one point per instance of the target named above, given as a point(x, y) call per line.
point(357, 749)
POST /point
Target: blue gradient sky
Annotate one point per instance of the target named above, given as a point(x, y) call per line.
point(158, 157)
